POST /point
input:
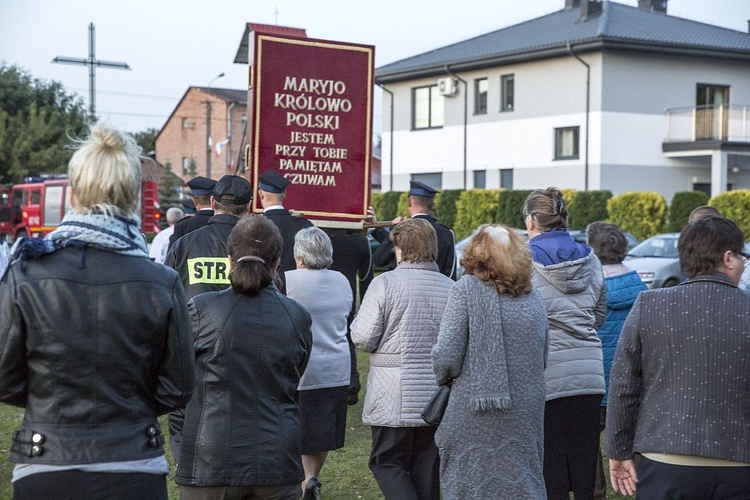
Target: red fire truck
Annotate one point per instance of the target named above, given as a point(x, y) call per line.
point(37, 206)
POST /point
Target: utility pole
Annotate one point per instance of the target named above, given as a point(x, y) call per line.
point(209, 143)
point(92, 62)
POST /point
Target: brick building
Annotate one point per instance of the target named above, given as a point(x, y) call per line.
point(183, 142)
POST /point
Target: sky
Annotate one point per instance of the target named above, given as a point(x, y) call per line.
point(172, 45)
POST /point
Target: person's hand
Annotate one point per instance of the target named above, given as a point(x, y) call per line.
point(398, 219)
point(371, 217)
point(623, 476)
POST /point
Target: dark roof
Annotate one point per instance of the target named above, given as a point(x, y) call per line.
point(267, 29)
point(616, 26)
point(230, 95)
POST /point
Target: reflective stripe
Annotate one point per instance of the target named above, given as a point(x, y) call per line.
point(208, 270)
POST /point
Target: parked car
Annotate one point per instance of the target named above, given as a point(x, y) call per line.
point(656, 260)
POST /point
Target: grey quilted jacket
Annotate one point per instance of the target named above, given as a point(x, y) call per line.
point(576, 301)
point(398, 323)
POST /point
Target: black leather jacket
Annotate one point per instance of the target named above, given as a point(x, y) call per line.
point(242, 425)
point(95, 345)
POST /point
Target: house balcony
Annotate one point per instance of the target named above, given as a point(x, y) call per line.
point(696, 124)
point(715, 137)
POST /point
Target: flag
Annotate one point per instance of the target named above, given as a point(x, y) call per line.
point(220, 145)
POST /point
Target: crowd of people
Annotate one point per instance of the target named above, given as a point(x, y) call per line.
point(243, 328)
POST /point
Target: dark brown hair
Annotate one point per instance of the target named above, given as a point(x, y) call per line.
point(423, 201)
point(497, 255)
point(702, 212)
point(202, 199)
point(417, 240)
point(608, 242)
point(229, 208)
point(702, 245)
point(548, 209)
point(255, 236)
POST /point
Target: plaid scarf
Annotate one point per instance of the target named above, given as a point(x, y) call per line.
point(105, 232)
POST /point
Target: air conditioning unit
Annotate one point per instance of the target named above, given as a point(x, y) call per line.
point(447, 87)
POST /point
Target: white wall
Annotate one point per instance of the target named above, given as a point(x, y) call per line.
point(629, 96)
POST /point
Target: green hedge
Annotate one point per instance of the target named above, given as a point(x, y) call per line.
point(509, 205)
point(403, 205)
point(588, 207)
point(445, 206)
point(474, 208)
point(376, 202)
point(735, 205)
point(642, 213)
point(684, 202)
point(389, 208)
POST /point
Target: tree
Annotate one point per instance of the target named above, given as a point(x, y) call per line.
point(38, 119)
point(146, 140)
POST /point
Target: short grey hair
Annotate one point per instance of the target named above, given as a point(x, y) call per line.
point(313, 247)
point(174, 214)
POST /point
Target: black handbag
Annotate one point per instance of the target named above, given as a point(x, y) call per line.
point(433, 412)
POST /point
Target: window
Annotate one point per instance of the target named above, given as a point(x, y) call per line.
point(480, 179)
point(566, 143)
point(185, 123)
point(36, 196)
point(480, 96)
point(434, 180)
point(427, 107)
point(506, 92)
point(506, 178)
point(185, 165)
point(711, 115)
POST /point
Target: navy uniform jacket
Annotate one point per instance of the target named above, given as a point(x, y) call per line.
point(352, 258)
point(446, 257)
point(200, 257)
point(190, 224)
point(288, 224)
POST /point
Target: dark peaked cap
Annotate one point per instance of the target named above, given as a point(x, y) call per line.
point(422, 189)
point(273, 182)
point(233, 185)
point(189, 206)
point(201, 186)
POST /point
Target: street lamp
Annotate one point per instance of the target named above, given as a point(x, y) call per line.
point(208, 126)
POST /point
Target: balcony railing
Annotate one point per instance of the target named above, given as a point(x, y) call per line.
point(708, 123)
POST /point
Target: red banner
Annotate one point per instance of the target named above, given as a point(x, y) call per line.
point(311, 121)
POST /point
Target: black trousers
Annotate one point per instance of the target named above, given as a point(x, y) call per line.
point(405, 462)
point(571, 445)
point(657, 480)
point(79, 485)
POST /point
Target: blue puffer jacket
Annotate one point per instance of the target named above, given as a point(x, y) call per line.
point(622, 291)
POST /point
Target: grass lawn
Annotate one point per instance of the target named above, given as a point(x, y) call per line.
point(344, 477)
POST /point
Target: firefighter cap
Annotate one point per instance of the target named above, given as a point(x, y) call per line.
point(201, 186)
point(273, 182)
point(422, 189)
point(188, 206)
point(233, 186)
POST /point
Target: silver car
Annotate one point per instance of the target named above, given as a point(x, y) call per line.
point(656, 260)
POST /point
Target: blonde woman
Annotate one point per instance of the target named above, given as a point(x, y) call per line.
point(96, 340)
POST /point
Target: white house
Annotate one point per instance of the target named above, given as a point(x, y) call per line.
point(598, 95)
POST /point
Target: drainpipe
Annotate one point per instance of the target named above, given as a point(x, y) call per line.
point(466, 113)
point(391, 141)
point(588, 100)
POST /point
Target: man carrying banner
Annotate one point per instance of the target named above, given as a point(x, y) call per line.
point(421, 205)
point(271, 192)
